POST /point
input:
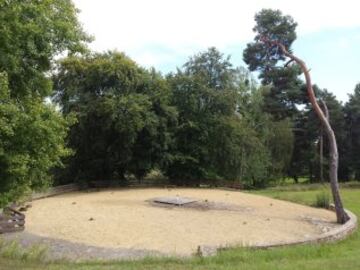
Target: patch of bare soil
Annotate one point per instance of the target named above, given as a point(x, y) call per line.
point(127, 219)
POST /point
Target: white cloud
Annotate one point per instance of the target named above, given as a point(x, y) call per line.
point(160, 32)
point(132, 24)
point(149, 59)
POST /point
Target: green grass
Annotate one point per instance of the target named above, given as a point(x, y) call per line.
point(342, 255)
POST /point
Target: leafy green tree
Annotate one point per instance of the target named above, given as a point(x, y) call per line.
point(32, 33)
point(275, 135)
point(222, 132)
point(32, 133)
point(275, 25)
point(123, 116)
point(203, 99)
point(32, 139)
point(352, 116)
point(301, 164)
point(211, 67)
point(280, 143)
point(285, 91)
point(317, 137)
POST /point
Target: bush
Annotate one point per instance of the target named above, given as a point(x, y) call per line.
point(322, 200)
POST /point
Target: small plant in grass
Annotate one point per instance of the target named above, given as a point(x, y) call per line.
point(13, 250)
point(35, 253)
point(322, 200)
point(10, 250)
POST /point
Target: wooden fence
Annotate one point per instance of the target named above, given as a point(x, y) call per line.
point(53, 191)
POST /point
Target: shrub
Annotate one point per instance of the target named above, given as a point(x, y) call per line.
point(322, 200)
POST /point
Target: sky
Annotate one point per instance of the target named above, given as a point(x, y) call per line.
point(165, 33)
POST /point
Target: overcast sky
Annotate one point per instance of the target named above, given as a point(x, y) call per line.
point(164, 33)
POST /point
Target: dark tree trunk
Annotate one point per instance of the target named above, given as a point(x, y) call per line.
point(296, 179)
point(341, 215)
point(311, 173)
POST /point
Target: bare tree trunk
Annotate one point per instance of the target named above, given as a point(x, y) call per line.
point(341, 215)
point(321, 159)
point(326, 112)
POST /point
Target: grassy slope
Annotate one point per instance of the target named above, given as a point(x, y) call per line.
point(342, 255)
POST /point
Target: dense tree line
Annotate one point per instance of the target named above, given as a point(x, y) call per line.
point(111, 119)
point(203, 123)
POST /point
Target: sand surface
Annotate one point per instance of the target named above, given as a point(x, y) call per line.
point(125, 218)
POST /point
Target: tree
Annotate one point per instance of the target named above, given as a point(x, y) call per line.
point(352, 116)
point(222, 134)
point(212, 68)
point(334, 108)
point(32, 141)
point(285, 91)
point(274, 38)
point(32, 33)
point(123, 114)
point(275, 135)
point(203, 98)
point(32, 133)
point(270, 23)
point(303, 150)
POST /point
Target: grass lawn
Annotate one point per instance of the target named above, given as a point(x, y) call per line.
point(342, 255)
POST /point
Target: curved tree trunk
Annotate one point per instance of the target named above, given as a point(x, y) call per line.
point(341, 215)
point(326, 112)
point(321, 154)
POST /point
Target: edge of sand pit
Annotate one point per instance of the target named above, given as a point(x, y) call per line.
point(62, 249)
point(334, 235)
point(71, 251)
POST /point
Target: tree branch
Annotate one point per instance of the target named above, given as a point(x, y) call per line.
point(288, 62)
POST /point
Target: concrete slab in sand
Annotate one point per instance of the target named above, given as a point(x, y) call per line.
point(176, 200)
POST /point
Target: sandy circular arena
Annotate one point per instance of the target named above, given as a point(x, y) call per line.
point(125, 218)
